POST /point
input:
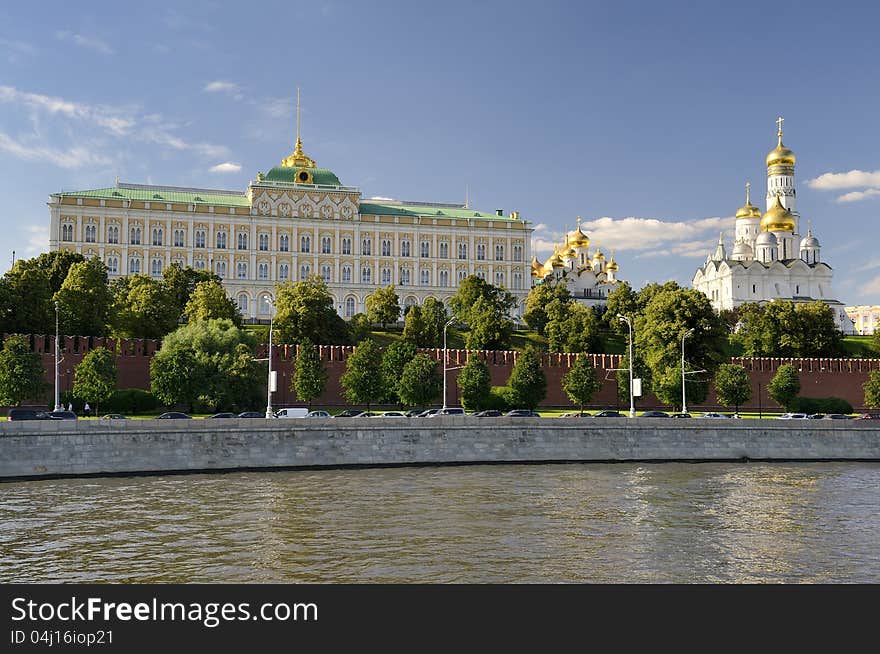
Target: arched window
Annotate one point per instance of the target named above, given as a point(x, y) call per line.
point(386, 247)
point(157, 236)
point(444, 278)
point(305, 243)
point(366, 246)
point(481, 274)
point(199, 264)
point(91, 233)
point(425, 250)
point(200, 238)
point(481, 252)
point(221, 240)
point(112, 265)
point(405, 248)
point(156, 267)
point(263, 271)
point(462, 251)
point(444, 250)
point(346, 273)
point(241, 271)
point(326, 245)
point(304, 271)
point(404, 276)
point(113, 234)
point(346, 246)
point(67, 232)
point(366, 275)
point(425, 277)
point(326, 274)
point(135, 235)
point(220, 269)
point(134, 266)
point(461, 275)
point(499, 253)
point(409, 302)
point(386, 275)
point(283, 271)
point(264, 242)
point(517, 281)
point(517, 252)
point(349, 307)
point(243, 303)
point(284, 243)
point(242, 241)
point(499, 279)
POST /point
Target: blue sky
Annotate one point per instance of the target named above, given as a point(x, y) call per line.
point(646, 119)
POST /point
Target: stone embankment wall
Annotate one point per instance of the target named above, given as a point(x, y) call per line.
point(819, 377)
point(58, 448)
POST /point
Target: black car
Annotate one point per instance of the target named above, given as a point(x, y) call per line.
point(654, 414)
point(608, 413)
point(114, 416)
point(680, 415)
point(428, 413)
point(577, 414)
point(28, 414)
point(172, 415)
point(837, 416)
point(348, 413)
point(412, 413)
point(251, 414)
point(62, 415)
point(224, 415)
point(522, 413)
point(488, 413)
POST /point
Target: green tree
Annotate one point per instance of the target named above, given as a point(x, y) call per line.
point(95, 377)
point(527, 382)
point(21, 372)
point(539, 298)
point(572, 327)
point(753, 331)
point(475, 385)
point(181, 283)
point(359, 327)
point(209, 301)
point(383, 306)
point(208, 364)
point(395, 358)
point(415, 330)
point(872, 390)
point(785, 386)
point(435, 316)
point(733, 386)
point(26, 301)
point(818, 334)
point(671, 314)
point(142, 307)
point(621, 300)
point(484, 308)
point(363, 382)
point(84, 299)
point(580, 382)
point(304, 310)
point(309, 375)
point(56, 264)
point(420, 382)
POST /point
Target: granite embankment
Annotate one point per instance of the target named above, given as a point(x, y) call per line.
point(65, 448)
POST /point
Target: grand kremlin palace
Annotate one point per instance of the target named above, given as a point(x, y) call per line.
point(295, 221)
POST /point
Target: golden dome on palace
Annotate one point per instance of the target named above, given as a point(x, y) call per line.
point(577, 238)
point(778, 219)
point(612, 265)
point(780, 155)
point(748, 210)
point(556, 260)
point(598, 256)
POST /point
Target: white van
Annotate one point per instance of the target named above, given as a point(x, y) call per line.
point(292, 412)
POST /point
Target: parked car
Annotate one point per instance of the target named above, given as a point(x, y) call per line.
point(114, 416)
point(449, 411)
point(654, 414)
point(224, 415)
point(576, 414)
point(292, 412)
point(348, 413)
point(680, 415)
point(428, 413)
point(793, 416)
point(837, 416)
point(608, 413)
point(413, 413)
point(390, 414)
point(869, 416)
point(318, 414)
point(714, 416)
point(62, 415)
point(816, 416)
point(172, 415)
point(366, 414)
point(487, 413)
point(252, 414)
point(28, 414)
point(522, 413)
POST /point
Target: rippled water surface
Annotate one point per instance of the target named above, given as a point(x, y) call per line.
point(743, 522)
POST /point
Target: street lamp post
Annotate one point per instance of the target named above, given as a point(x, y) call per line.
point(632, 401)
point(269, 413)
point(57, 388)
point(683, 394)
point(445, 360)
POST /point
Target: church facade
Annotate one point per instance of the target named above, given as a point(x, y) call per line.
point(294, 221)
point(770, 259)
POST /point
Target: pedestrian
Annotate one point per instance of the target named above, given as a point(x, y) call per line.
point(86, 409)
point(70, 406)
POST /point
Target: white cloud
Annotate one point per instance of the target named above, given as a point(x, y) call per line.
point(115, 119)
point(226, 167)
point(221, 86)
point(90, 42)
point(852, 179)
point(855, 196)
point(36, 240)
point(74, 157)
point(15, 49)
point(872, 287)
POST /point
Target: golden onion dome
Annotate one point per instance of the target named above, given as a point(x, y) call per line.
point(780, 155)
point(577, 238)
point(778, 219)
point(612, 265)
point(571, 253)
point(536, 264)
point(598, 256)
point(748, 210)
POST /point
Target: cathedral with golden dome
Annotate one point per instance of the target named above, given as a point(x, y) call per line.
point(588, 277)
point(770, 260)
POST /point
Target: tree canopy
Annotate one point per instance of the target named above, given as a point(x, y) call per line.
point(527, 383)
point(537, 302)
point(733, 386)
point(580, 382)
point(95, 377)
point(304, 310)
point(572, 327)
point(383, 306)
point(142, 307)
point(872, 390)
point(420, 381)
point(21, 372)
point(84, 299)
point(785, 329)
point(475, 385)
point(309, 375)
point(484, 308)
point(363, 381)
point(209, 301)
point(395, 358)
point(785, 386)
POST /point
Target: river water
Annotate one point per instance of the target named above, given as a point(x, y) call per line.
point(729, 523)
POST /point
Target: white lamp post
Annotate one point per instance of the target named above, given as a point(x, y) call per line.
point(268, 300)
point(632, 401)
point(57, 338)
point(445, 360)
point(683, 393)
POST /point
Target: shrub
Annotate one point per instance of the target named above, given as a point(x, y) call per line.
point(498, 398)
point(131, 401)
point(821, 405)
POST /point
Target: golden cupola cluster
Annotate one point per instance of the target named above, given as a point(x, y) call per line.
point(778, 219)
point(573, 256)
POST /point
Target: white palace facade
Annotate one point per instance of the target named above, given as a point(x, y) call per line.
point(770, 259)
point(295, 221)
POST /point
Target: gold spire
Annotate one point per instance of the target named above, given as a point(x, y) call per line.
point(298, 159)
point(748, 210)
point(577, 238)
point(612, 264)
point(780, 155)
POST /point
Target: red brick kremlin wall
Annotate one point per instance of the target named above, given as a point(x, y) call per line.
point(819, 377)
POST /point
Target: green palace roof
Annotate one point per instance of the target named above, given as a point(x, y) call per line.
point(321, 176)
point(143, 193)
point(427, 211)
